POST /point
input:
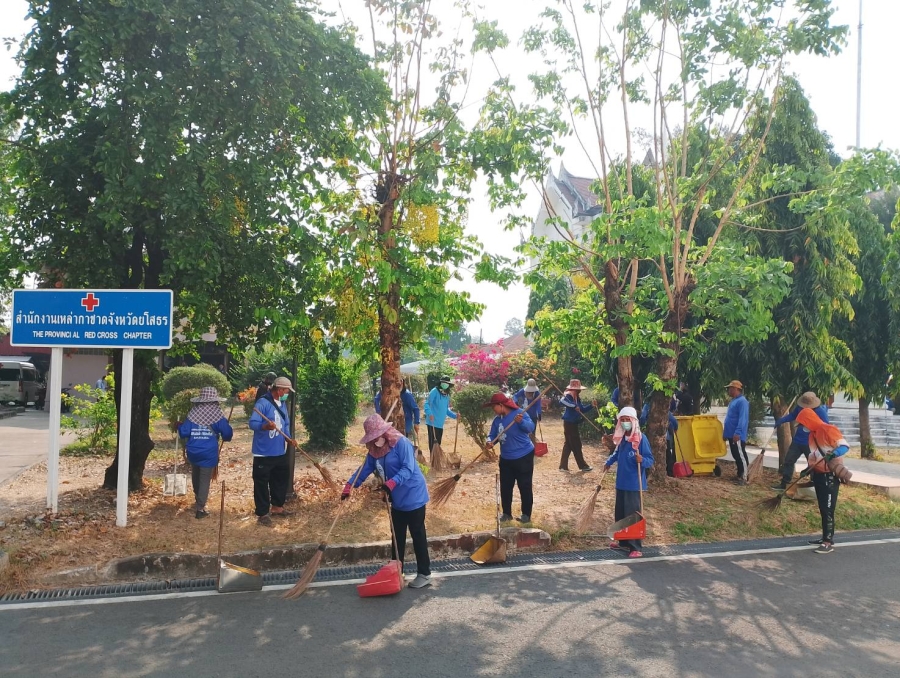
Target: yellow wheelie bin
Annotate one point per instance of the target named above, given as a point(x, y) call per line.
point(699, 442)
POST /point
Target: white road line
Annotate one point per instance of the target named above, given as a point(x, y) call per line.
point(537, 567)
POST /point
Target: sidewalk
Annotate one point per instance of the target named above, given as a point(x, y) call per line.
point(879, 475)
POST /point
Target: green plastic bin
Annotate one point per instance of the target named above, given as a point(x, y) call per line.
point(699, 441)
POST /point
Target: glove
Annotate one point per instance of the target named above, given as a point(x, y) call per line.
point(388, 487)
point(345, 493)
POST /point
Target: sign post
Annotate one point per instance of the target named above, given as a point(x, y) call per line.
point(126, 319)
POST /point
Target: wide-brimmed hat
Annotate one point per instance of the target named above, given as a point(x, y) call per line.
point(283, 382)
point(446, 380)
point(627, 412)
point(374, 427)
point(575, 385)
point(809, 399)
point(735, 383)
point(500, 398)
point(531, 386)
point(208, 394)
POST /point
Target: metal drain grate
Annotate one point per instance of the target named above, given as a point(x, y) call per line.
point(344, 572)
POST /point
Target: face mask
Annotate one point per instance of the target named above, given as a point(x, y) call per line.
point(380, 442)
point(284, 397)
point(626, 426)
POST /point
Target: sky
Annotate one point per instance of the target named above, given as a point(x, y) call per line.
point(829, 83)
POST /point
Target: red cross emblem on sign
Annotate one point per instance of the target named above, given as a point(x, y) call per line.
point(90, 302)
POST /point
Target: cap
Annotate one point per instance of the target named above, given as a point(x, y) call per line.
point(283, 382)
point(500, 398)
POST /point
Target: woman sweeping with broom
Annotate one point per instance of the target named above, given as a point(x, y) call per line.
point(632, 452)
point(516, 454)
point(393, 457)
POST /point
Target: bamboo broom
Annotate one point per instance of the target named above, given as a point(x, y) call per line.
point(755, 469)
point(586, 513)
point(309, 571)
point(442, 491)
point(326, 475)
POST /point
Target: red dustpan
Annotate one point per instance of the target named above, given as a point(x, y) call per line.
point(386, 582)
point(633, 526)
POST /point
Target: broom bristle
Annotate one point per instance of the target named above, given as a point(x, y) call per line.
point(756, 466)
point(326, 476)
point(438, 462)
point(442, 491)
point(772, 503)
point(586, 512)
point(309, 573)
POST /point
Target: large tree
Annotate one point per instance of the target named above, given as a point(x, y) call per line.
point(180, 144)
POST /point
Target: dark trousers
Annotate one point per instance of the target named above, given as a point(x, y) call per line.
point(628, 502)
point(200, 479)
point(790, 461)
point(571, 445)
point(435, 435)
point(826, 493)
point(414, 521)
point(271, 477)
point(670, 455)
point(739, 454)
point(517, 471)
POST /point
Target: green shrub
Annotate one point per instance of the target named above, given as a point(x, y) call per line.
point(257, 363)
point(467, 403)
point(94, 420)
point(178, 406)
point(196, 377)
point(327, 396)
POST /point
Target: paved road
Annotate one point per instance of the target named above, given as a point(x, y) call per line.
point(792, 614)
point(23, 442)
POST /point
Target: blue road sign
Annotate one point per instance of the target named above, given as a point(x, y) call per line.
point(92, 318)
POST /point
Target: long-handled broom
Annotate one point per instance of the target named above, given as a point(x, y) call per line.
point(756, 466)
point(326, 475)
point(442, 491)
point(586, 513)
point(309, 572)
point(773, 503)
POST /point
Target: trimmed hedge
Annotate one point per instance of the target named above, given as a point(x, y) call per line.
point(327, 395)
point(182, 378)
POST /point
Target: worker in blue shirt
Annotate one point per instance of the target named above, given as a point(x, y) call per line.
point(800, 442)
point(512, 429)
point(737, 421)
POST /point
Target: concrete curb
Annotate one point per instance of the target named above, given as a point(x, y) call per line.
point(7, 413)
point(188, 565)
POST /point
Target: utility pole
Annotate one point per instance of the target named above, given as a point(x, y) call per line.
point(859, 79)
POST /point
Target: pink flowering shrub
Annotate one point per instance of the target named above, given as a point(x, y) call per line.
point(482, 365)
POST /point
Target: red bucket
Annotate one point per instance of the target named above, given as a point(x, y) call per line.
point(386, 582)
point(540, 449)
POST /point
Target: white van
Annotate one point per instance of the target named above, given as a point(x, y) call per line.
point(18, 382)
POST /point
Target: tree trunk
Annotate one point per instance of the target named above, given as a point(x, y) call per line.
point(866, 446)
point(389, 314)
point(783, 434)
point(140, 444)
point(614, 311)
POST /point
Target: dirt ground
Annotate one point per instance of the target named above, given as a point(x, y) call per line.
point(84, 531)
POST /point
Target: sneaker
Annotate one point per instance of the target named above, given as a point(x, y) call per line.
point(420, 582)
point(816, 542)
point(615, 545)
point(280, 514)
point(505, 518)
point(779, 487)
point(586, 469)
point(825, 547)
point(740, 482)
point(265, 521)
point(563, 470)
point(635, 554)
point(201, 513)
point(524, 519)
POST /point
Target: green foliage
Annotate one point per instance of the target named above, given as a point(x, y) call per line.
point(178, 406)
point(327, 399)
point(467, 403)
point(93, 418)
point(255, 363)
point(437, 366)
point(181, 378)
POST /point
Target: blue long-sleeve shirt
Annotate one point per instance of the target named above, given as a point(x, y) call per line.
point(627, 475)
point(269, 443)
point(515, 443)
point(737, 419)
point(523, 400)
point(409, 404)
point(437, 409)
point(399, 465)
point(645, 412)
point(573, 409)
point(202, 446)
point(801, 435)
